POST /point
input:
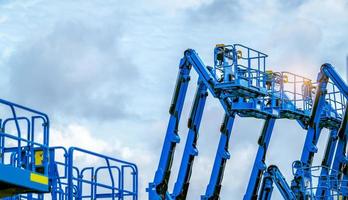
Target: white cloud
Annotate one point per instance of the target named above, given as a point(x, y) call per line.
point(75, 135)
point(64, 37)
point(3, 19)
point(175, 6)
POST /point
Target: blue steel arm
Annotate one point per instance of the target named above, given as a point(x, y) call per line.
point(322, 189)
point(329, 71)
point(195, 61)
point(182, 184)
point(340, 157)
point(312, 136)
point(206, 75)
point(222, 155)
point(266, 187)
point(279, 181)
point(158, 188)
point(259, 165)
point(340, 160)
point(344, 183)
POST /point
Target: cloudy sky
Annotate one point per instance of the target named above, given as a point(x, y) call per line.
point(105, 71)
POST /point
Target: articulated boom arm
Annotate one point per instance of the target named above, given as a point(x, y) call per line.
point(158, 189)
point(259, 164)
point(340, 160)
point(222, 155)
point(335, 154)
point(207, 81)
point(190, 151)
point(249, 91)
point(298, 185)
point(329, 72)
point(273, 175)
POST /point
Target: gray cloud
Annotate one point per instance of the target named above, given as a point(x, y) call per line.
point(86, 68)
point(217, 11)
point(77, 69)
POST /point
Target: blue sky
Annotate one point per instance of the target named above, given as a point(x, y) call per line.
point(105, 71)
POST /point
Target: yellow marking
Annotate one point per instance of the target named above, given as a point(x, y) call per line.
point(37, 178)
point(38, 157)
point(285, 79)
point(309, 83)
point(239, 54)
point(220, 45)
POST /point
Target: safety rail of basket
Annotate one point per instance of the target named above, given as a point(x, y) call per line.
point(294, 92)
point(331, 182)
point(336, 101)
point(238, 62)
point(24, 134)
point(106, 179)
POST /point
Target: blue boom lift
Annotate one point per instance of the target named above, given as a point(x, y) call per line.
point(329, 183)
point(31, 169)
point(240, 81)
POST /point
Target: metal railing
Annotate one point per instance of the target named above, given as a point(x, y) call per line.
point(295, 93)
point(320, 186)
point(94, 186)
point(20, 138)
point(238, 62)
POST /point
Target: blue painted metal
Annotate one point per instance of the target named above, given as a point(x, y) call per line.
point(158, 188)
point(241, 75)
point(322, 189)
point(106, 178)
point(274, 175)
point(190, 151)
point(327, 112)
point(28, 166)
point(266, 187)
point(315, 191)
point(222, 155)
point(340, 160)
point(244, 87)
point(301, 179)
point(259, 164)
point(115, 170)
point(240, 81)
point(291, 96)
point(18, 146)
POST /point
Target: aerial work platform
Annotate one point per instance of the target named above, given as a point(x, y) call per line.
point(245, 87)
point(32, 170)
point(17, 181)
point(29, 168)
point(23, 150)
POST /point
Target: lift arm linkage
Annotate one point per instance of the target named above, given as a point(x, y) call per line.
point(298, 184)
point(190, 151)
point(273, 175)
point(340, 161)
point(328, 71)
point(158, 189)
point(259, 165)
point(222, 155)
